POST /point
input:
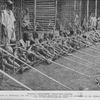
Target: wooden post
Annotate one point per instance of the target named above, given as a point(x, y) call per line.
point(0, 18)
point(87, 14)
point(87, 9)
point(54, 27)
point(55, 14)
point(20, 18)
point(96, 8)
point(34, 15)
point(74, 7)
point(80, 10)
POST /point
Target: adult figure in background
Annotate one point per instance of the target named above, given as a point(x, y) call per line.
point(25, 20)
point(8, 20)
point(85, 25)
point(93, 21)
point(98, 23)
point(77, 21)
point(77, 25)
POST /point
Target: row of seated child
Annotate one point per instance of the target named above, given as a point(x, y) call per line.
point(27, 49)
point(82, 39)
point(34, 46)
point(9, 61)
point(48, 47)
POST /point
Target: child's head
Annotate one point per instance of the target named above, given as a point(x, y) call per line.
point(8, 4)
point(92, 15)
point(30, 36)
point(35, 35)
point(25, 36)
point(71, 32)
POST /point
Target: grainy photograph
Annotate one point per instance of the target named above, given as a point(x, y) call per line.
point(50, 45)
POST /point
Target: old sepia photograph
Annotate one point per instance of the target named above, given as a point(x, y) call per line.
point(49, 45)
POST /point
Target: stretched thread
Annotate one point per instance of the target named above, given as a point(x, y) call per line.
point(36, 70)
point(15, 80)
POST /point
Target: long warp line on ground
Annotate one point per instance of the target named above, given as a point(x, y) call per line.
point(36, 70)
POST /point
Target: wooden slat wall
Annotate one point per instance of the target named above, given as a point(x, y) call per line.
point(30, 5)
point(67, 11)
point(17, 11)
point(59, 3)
point(0, 16)
point(91, 6)
point(1, 8)
point(83, 10)
point(78, 7)
point(98, 8)
point(45, 11)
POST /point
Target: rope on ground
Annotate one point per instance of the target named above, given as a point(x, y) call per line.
point(15, 80)
point(37, 70)
point(88, 54)
point(15, 86)
point(65, 66)
point(96, 69)
point(95, 48)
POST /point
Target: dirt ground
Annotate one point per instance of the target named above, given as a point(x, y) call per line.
point(75, 72)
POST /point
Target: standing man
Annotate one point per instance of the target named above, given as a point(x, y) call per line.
point(76, 21)
point(8, 20)
point(93, 21)
point(98, 23)
point(25, 20)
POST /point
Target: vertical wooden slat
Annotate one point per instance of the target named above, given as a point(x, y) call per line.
point(80, 11)
point(30, 5)
point(96, 7)
point(59, 4)
point(56, 13)
point(1, 8)
point(34, 15)
point(20, 18)
point(55, 19)
point(45, 14)
point(67, 12)
point(80, 7)
point(0, 20)
point(74, 7)
point(87, 9)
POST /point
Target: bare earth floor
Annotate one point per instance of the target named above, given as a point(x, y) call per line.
point(75, 72)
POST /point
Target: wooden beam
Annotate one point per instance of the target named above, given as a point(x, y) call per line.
point(15, 80)
point(96, 8)
point(87, 9)
point(55, 14)
point(21, 6)
point(80, 11)
point(34, 15)
point(0, 20)
point(74, 7)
